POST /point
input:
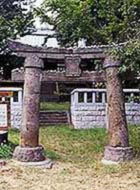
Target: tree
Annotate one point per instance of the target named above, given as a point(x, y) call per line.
point(97, 22)
point(14, 19)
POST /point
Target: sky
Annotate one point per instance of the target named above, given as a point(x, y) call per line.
point(37, 20)
point(38, 41)
point(38, 2)
point(52, 42)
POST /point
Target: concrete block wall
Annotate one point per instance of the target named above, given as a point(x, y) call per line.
point(88, 116)
point(92, 114)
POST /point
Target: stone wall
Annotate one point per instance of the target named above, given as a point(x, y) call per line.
point(92, 114)
point(88, 116)
point(17, 74)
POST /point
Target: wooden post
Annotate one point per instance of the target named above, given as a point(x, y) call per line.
point(118, 148)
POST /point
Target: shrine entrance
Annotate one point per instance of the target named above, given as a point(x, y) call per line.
point(118, 148)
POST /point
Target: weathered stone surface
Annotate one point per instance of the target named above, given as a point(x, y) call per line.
point(72, 66)
point(29, 133)
point(29, 154)
point(111, 62)
point(45, 164)
point(53, 76)
point(118, 149)
point(118, 132)
point(118, 154)
point(29, 149)
point(24, 50)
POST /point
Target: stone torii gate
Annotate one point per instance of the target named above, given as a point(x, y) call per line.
point(29, 149)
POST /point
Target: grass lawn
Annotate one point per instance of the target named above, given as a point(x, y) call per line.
point(77, 155)
point(53, 106)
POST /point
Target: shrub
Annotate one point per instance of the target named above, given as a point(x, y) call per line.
point(5, 151)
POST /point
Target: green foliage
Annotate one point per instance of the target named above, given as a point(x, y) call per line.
point(135, 139)
point(8, 63)
point(129, 54)
point(14, 20)
point(99, 22)
point(5, 151)
point(13, 136)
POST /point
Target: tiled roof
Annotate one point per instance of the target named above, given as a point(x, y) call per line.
point(37, 38)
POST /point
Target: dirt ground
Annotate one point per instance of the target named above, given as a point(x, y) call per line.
point(66, 176)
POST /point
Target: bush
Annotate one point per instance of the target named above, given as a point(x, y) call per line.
point(6, 151)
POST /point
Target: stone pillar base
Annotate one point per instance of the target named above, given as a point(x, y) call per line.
point(114, 155)
point(28, 154)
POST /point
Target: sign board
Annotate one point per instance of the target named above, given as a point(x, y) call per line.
point(6, 94)
point(72, 66)
point(3, 115)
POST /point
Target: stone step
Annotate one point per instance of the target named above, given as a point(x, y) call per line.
point(56, 118)
point(51, 124)
point(51, 121)
point(53, 118)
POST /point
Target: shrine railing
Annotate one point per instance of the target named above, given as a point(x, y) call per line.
point(88, 107)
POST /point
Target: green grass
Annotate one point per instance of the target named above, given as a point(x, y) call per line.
point(6, 150)
point(134, 139)
point(76, 146)
point(53, 106)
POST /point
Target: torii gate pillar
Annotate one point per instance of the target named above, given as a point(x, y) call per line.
point(118, 149)
point(29, 149)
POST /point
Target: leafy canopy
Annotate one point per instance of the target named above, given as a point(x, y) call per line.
point(97, 22)
point(14, 19)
